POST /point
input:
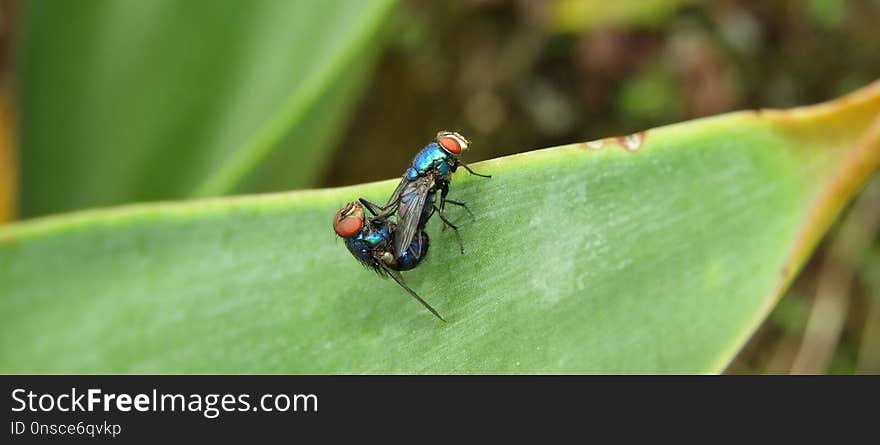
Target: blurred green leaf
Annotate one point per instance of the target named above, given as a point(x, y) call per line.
point(126, 100)
point(660, 252)
point(8, 154)
point(649, 97)
point(827, 13)
point(323, 126)
point(587, 15)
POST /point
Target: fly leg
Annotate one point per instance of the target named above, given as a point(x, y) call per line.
point(442, 212)
point(376, 209)
point(474, 173)
point(389, 208)
point(466, 209)
point(399, 279)
point(458, 203)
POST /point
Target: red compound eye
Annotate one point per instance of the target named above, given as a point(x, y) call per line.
point(348, 222)
point(348, 227)
point(451, 145)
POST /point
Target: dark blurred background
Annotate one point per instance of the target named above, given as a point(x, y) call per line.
point(515, 74)
point(521, 75)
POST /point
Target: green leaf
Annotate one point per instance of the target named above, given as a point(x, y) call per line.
point(578, 16)
point(8, 155)
point(125, 100)
point(659, 252)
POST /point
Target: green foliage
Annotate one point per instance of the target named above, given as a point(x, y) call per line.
point(126, 100)
point(649, 97)
point(659, 253)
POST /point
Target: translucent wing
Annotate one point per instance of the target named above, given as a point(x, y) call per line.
point(410, 205)
point(390, 207)
point(393, 201)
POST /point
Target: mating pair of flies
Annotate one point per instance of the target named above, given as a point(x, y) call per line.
point(389, 246)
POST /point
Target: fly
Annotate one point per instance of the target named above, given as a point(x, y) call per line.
point(415, 196)
point(369, 239)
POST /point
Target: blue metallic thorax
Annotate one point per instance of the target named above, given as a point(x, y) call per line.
point(364, 243)
point(433, 156)
point(375, 239)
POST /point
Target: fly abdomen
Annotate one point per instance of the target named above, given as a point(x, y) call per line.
point(413, 256)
